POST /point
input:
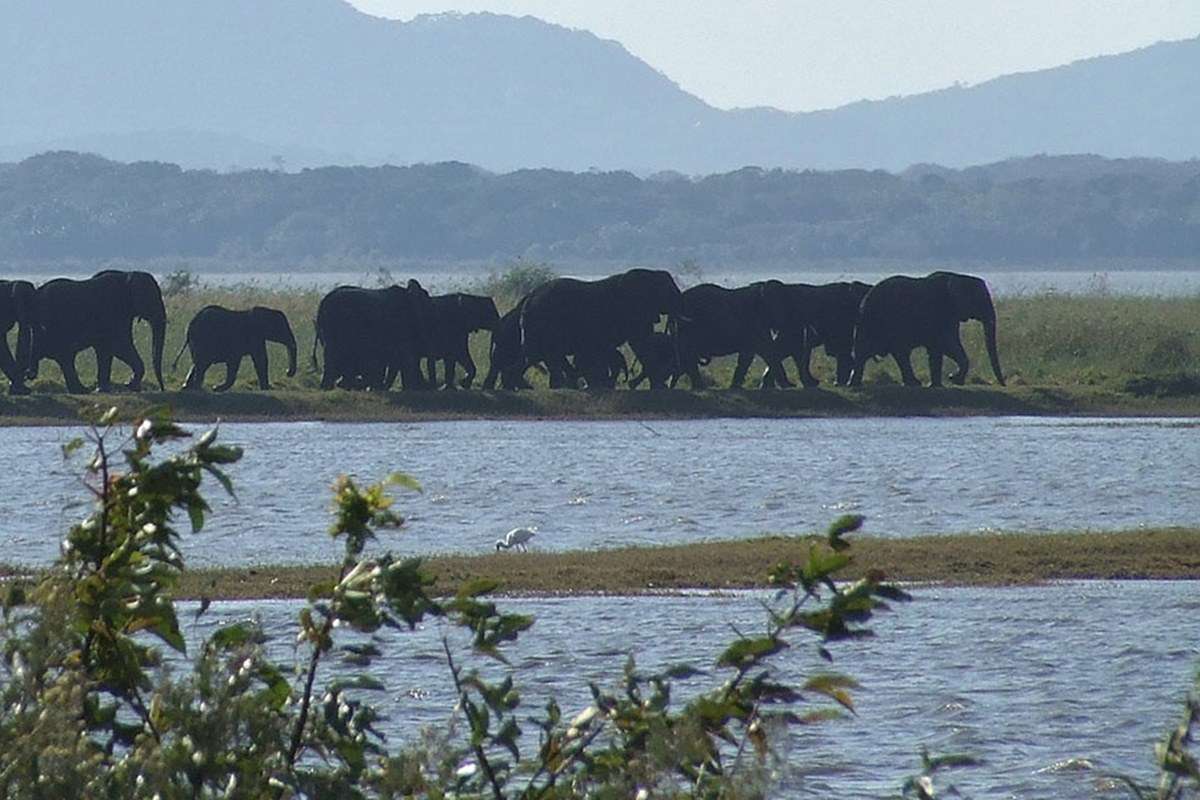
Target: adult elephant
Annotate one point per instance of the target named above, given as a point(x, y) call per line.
point(455, 317)
point(806, 316)
point(221, 335)
point(16, 308)
point(589, 319)
point(506, 364)
point(371, 335)
point(98, 313)
point(901, 313)
point(720, 322)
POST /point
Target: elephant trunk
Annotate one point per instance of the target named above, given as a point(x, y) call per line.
point(158, 333)
point(989, 332)
point(290, 344)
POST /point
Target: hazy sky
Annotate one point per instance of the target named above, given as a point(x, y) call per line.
point(801, 55)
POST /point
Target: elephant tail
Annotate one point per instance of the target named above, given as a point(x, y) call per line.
point(186, 340)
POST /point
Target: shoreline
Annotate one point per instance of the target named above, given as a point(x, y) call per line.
point(546, 404)
point(980, 560)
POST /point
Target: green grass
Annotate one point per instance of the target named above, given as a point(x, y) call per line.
point(1061, 354)
point(991, 559)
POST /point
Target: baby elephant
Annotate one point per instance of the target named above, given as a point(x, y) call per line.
point(220, 334)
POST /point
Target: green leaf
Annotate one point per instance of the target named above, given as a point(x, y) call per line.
point(403, 480)
point(231, 636)
point(833, 686)
point(222, 479)
point(70, 447)
point(196, 515)
point(747, 652)
point(682, 672)
point(357, 682)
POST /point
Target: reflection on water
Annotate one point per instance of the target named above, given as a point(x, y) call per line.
point(1053, 686)
point(606, 484)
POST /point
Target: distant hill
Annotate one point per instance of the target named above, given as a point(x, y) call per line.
point(64, 206)
point(224, 83)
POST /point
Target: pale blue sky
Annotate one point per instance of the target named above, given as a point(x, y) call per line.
point(801, 55)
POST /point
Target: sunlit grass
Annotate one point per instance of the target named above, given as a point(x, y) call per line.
point(961, 559)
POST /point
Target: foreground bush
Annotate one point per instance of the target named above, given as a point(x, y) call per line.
point(88, 708)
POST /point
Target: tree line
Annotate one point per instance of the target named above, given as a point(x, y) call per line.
point(68, 205)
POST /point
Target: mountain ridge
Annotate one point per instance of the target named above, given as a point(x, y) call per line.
point(226, 83)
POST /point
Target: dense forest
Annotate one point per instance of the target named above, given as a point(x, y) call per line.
point(70, 206)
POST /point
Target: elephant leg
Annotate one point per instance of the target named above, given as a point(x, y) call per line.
point(856, 371)
point(231, 372)
point(959, 356)
point(845, 368)
point(469, 369)
point(9, 365)
point(904, 362)
point(739, 372)
point(449, 370)
point(328, 376)
point(194, 382)
point(935, 367)
point(258, 356)
point(66, 363)
point(126, 351)
point(770, 377)
point(779, 377)
point(104, 363)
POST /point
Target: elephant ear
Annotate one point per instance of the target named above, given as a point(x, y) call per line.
point(958, 295)
point(964, 293)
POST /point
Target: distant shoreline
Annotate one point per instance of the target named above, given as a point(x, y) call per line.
point(990, 560)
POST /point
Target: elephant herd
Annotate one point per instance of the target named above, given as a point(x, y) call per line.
point(574, 330)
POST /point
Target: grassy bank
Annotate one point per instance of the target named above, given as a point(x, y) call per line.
point(293, 405)
point(1063, 355)
point(964, 559)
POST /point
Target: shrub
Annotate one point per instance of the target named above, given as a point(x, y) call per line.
point(521, 278)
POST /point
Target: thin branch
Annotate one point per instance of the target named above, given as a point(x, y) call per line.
point(484, 764)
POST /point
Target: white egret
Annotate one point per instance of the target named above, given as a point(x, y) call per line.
point(517, 537)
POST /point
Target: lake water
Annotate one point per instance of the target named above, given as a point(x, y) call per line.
point(1053, 686)
point(607, 484)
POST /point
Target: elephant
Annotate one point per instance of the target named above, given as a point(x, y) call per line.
point(16, 308)
point(456, 316)
point(805, 316)
point(723, 321)
point(604, 375)
point(902, 313)
point(507, 361)
point(658, 355)
point(372, 335)
point(589, 319)
point(221, 334)
point(98, 312)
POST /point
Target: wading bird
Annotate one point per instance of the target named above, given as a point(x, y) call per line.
point(517, 538)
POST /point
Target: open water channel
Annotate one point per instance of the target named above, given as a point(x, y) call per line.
point(1054, 686)
point(607, 484)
